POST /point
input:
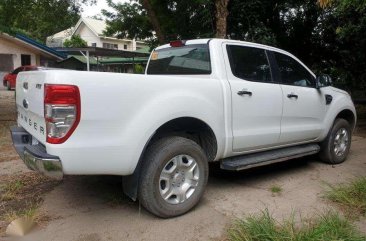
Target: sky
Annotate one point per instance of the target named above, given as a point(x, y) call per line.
point(90, 11)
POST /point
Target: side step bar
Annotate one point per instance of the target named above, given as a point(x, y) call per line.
point(238, 163)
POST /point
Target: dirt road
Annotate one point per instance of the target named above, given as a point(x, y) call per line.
point(94, 208)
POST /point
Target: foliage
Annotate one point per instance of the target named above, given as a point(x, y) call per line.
point(139, 69)
point(276, 189)
point(75, 42)
point(129, 21)
point(328, 226)
point(351, 196)
point(327, 35)
point(178, 19)
point(40, 18)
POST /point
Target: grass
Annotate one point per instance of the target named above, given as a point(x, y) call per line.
point(21, 195)
point(327, 226)
point(275, 189)
point(11, 189)
point(350, 196)
point(30, 211)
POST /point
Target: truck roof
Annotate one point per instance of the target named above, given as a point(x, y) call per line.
point(206, 40)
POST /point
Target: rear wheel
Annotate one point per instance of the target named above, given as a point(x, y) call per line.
point(174, 176)
point(336, 146)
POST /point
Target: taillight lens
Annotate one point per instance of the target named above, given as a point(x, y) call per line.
point(177, 43)
point(61, 111)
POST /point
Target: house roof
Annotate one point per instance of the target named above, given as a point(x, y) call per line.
point(97, 27)
point(96, 51)
point(114, 60)
point(82, 59)
point(40, 46)
point(110, 60)
point(27, 42)
point(63, 34)
point(145, 50)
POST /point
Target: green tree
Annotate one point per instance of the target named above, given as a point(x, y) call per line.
point(139, 69)
point(168, 19)
point(75, 42)
point(40, 18)
point(328, 35)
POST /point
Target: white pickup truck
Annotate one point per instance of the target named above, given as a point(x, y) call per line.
point(239, 103)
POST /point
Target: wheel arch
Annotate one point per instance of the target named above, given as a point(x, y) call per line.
point(192, 128)
point(349, 116)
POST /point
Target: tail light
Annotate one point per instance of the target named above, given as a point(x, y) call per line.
point(62, 111)
point(177, 43)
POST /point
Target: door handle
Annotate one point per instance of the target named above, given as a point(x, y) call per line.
point(245, 92)
point(292, 95)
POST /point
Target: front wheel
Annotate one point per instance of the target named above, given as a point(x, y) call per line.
point(336, 146)
point(174, 176)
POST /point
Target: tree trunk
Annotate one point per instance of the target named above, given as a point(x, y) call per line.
point(221, 17)
point(154, 21)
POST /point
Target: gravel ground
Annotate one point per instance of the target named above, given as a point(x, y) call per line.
point(94, 207)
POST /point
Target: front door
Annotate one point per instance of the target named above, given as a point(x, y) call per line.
point(256, 99)
point(303, 104)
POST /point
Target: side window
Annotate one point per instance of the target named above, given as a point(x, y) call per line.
point(292, 72)
point(16, 71)
point(249, 63)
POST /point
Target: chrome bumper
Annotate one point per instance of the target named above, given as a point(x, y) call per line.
point(35, 157)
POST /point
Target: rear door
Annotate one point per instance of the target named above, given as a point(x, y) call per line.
point(256, 99)
point(30, 106)
point(303, 104)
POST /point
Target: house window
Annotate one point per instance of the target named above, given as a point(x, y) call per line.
point(125, 46)
point(25, 59)
point(94, 44)
point(110, 46)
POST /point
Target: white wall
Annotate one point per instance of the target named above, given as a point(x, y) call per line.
point(8, 47)
point(86, 34)
point(120, 43)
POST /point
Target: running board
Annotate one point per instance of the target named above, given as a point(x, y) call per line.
point(238, 163)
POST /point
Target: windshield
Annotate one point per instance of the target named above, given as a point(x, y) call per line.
point(186, 60)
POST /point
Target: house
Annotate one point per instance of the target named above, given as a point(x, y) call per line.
point(19, 50)
point(92, 31)
point(106, 64)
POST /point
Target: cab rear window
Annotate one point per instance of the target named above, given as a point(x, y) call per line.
point(185, 60)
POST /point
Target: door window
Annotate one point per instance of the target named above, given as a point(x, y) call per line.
point(249, 63)
point(292, 72)
point(16, 71)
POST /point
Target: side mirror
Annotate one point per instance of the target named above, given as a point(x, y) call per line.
point(323, 80)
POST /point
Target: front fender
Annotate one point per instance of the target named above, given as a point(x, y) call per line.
point(340, 103)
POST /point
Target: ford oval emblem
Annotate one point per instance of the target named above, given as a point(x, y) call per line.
point(25, 85)
point(25, 103)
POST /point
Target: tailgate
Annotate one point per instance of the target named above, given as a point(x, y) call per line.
point(29, 101)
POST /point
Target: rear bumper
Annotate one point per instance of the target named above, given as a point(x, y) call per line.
point(34, 154)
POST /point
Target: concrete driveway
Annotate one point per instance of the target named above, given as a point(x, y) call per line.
point(94, 208)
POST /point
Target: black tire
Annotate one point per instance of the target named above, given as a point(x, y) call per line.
point(328, 153)
point(8, 87)
point(157, 157)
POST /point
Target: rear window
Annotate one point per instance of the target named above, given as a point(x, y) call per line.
point(186, 60)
